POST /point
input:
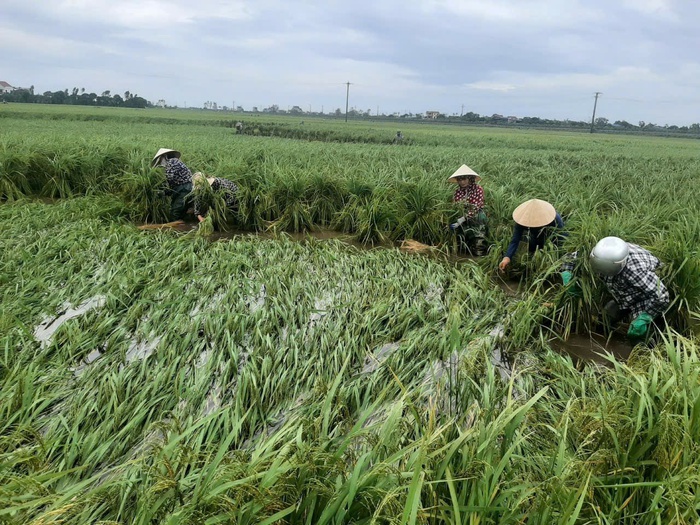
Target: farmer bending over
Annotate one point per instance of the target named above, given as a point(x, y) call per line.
point(179, 179)
point(471, 228)
point(537, 219)
point(628, 273)
point(227, 188)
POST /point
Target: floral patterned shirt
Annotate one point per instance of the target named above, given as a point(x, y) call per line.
point(177, 174)
point(228, 190)
point(473, 198)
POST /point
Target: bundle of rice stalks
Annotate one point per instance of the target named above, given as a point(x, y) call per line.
point(206, 227)
point(164, 226)
point(213, 203)
point(411, 246)
point(144, 194)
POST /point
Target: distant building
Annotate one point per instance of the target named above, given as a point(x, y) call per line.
point(432, 114)
point(512, 119)
point(5, 87)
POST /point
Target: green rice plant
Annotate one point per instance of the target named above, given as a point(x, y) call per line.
point(287, 207)
point(206, 227)
point(375, 221)
point(213, 201)
point(326, 195)
point(360, 193)
point(144, 193)
point(245, 393)
point(424, 212)
point(681, 275)
point(13, 179)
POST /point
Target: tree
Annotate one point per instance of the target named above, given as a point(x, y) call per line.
point(59, 97)
point(601, 121)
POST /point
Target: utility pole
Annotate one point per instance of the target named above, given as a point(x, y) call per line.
point(594, 106)
point(462, 113)
point(347, 98)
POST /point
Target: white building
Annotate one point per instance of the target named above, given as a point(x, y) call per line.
point(5, 87)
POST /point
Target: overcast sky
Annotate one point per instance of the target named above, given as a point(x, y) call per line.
point(542, 58)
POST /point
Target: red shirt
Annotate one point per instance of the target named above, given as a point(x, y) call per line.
point(473, 198)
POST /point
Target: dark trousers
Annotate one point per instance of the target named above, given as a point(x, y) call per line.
point(471, 235)
point(181, 200)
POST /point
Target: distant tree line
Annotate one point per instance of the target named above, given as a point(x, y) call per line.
point(76, 97)
point(600, 124)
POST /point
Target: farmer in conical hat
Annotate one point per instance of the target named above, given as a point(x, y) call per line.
point(226, 187)
point(628, 271)
point(179, 179)
point(537, 219)
point(471, 228)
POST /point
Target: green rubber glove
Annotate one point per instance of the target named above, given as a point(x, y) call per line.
point(572, 287)
point(640, 326)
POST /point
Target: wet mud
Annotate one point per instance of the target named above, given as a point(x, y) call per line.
point(593, 347)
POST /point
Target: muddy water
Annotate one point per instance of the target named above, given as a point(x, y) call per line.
point(592, 347)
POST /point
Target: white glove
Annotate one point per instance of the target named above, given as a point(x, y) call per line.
point(459, 222)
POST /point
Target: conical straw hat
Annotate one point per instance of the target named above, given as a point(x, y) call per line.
point(163, 151)
point(534, 213)
point(463, 171)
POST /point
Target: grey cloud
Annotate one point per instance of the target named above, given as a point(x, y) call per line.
point(403, 56)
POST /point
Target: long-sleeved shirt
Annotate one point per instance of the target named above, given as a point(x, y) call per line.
point(537, 236)
point(228, 190)
point(176, 173)
point(636, 287)
point(473, 198)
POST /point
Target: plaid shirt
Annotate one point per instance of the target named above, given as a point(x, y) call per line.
point(177, 174)
point(228, 190)
point(636, 288)
point(473, 198)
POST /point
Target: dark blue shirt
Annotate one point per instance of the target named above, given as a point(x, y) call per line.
point(536, 236)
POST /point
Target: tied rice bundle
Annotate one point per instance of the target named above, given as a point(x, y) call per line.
point(411, 246)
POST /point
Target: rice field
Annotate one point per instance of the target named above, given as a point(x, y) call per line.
point(275, 375)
